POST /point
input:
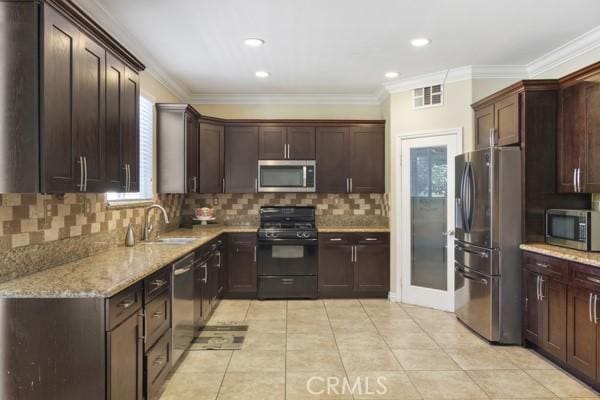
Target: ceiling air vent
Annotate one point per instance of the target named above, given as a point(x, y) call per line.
point(427, 96)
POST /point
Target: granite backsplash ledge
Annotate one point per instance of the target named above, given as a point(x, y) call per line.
point(364, 209)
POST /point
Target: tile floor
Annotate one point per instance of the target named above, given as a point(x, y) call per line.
point(294, 348)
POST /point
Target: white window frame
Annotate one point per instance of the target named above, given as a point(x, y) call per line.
point(146, 161)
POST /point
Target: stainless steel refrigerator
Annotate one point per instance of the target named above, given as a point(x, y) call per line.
point(486, 248)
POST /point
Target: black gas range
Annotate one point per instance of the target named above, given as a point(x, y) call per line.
point(287, 253)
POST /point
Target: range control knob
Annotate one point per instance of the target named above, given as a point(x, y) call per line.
point(275, 235)
point(305, 234)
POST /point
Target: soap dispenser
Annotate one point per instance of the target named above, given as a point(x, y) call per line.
point(130, 237)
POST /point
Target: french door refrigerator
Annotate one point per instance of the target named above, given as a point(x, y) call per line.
point(486, 247)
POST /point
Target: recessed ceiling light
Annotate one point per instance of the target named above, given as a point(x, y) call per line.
point(391, 75)
point(254, 42)
point(262, 74)
point(420, 42)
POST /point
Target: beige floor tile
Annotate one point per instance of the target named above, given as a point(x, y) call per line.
point(503, 384)
point(397, 325)
point(438, 385)
point(348, 326)
point(248, 361)
point(187, 386)
point(458, 340)
point(524, 358)
point(316, 360)
point(305, 304)
point(410, 341)
point(386, 312)
point(382, 385)
point(213, 361)
point(266, 326)
point(313, 385)
point(425, 360)
point(305, 314)
point(256, 341)
point(480, 358)
point(358, 340)
point(316, 327)
point(332, 303)
point(310, 342)
point(252, 386)
point(265, 315)
point(370, 359)
point(560, 383)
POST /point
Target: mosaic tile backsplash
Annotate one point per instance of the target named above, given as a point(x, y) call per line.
point(332, 209)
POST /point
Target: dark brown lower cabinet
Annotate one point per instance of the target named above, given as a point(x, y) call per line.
point(353, 264)
point(241, 265)
point(582, 332)
point(532, 312)
point(554, 317)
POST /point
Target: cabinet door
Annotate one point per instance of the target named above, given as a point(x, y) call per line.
point(213, 278)
point(582, 339)
point(372, 268)
point(571, 136)
point(336, 269)
point(124, 360)
point(506, 120)
point(211, 158)
point(332, 159)
point(191, 148)
point(59, 167)
point(301, 143)
point(114, 166)
point(131, 133)
point(272, 143)
point(484, 123)
point(90, 102)
point(241, 263)
point(532, 318)
point(241, 154)
point(590, 178)
point(554, 325)
point(367, 164)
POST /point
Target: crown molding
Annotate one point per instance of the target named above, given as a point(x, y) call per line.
point(499, 72)
point(99, 13)
point(568, 51)
point(253, 98)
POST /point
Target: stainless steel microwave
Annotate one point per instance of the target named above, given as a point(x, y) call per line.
point(287, 175)
point(576, 229)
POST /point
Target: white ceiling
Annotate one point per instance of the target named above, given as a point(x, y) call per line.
point(337, 47)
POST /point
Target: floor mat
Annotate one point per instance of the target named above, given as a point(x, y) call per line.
point(225, 336)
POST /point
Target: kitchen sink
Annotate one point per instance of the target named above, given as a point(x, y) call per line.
point(173, 240)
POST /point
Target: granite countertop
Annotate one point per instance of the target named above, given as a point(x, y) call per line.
point(578, 256)
point(106, 274)
point(111, 271)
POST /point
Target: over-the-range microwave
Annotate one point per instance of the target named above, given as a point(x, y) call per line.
point(575, 229)
point(287, 175)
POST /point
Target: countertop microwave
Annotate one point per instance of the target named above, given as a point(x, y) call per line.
point(287, 175)
point(575, 229)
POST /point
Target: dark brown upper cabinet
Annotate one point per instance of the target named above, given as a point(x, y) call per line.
point(286, 143)
point(177, 132)
point(241, 159)
point(497, 123)
point(212, 158)
point(579, 132)
point(67, 117)
point(130, 138)
point(332, 159)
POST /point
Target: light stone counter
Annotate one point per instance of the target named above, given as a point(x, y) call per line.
point(111, 271)
point(581, 257)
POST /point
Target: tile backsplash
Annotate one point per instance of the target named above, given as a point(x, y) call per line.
point(331, 209)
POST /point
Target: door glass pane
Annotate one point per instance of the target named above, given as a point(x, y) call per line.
point(428, 192)
point(287, 252)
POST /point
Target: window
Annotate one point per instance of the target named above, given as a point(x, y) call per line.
point(146, 152)
point(428, 96)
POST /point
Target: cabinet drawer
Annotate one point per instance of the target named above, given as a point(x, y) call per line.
point(122, 305)
point(158, 318)
point(372, 238)
point(274, 287)
point(585, 275)
point(156, 283)
point(548, 266)
point(158, 365)
point(335, 238)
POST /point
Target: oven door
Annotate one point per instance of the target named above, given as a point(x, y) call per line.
point(286, 176)
point(287, 257)
point(567, 228)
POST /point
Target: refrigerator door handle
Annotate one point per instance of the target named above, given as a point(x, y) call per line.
point(461, 199)
point(471, 196)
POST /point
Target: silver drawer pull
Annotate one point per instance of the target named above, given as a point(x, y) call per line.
point(336, 239)
point(371, 239)
point(542, 265)
point(158, 283)
point(157, 314)
point(595, 280)
point(159, 361)
point(126, 304)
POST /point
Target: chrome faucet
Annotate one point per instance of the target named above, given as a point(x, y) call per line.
point(148, 226)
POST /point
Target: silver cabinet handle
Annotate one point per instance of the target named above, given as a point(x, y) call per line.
point(288, 281)
point(347, 185)
point(126, 303)
point(304, 176)
point(85, 180)
point(181, 271)
point(352, 254)
point(128, 177)
point(80, 162)
point(158, 283)
point(371, 239)
point(575, 179)
point(542, 288)
point(579, 179)
point(254, 253)
point(537, 287)
point(596, 309)
point(205, 266)
point(284, 151)
point(256, 185)
point(590, 306)
point(159, 361)
point(355, 254)
point(157, 314)
point(542, 265)
point(336, 239)
point(350, 185)
point(288, 153)
point(223, 190)
point(595, 280)
point(219, 262)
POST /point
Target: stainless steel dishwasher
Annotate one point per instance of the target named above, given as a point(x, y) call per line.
point(183, 305)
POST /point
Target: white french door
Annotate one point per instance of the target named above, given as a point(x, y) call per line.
point(426, 218)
